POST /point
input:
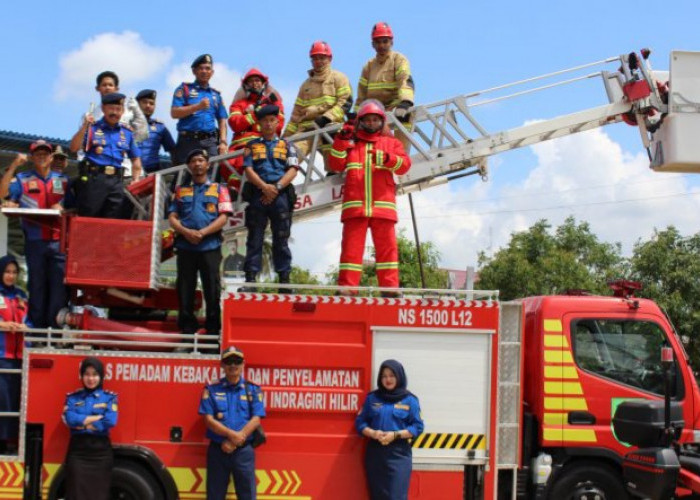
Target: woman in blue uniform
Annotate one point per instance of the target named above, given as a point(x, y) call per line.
point(390, 417)
point(89, 413)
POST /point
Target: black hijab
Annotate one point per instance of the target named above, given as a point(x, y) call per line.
point(99, 368)
point(400, 390)
point(4, 262)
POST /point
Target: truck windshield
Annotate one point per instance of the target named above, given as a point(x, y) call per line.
point(625, 351)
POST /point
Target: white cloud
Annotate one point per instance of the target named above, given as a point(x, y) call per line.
point(126, 53)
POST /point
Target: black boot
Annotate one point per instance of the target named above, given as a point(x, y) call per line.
point(284, 278)
point(249, 278)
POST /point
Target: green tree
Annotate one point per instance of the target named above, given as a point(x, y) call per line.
point(539, 261)
point(409, 269)
point(668, 266)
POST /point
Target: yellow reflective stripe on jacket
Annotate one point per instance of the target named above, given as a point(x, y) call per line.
point(368, 180)
point(292, 127)
point(385, 204)
point(325, 99)
point(243, 140)
point(339, 154)
point(399, 162)
point(237, 112)
point(363, 81)
point(353, 166)
point(352, 204)
point(249, 118)
point(383, 85)
point(387, 265)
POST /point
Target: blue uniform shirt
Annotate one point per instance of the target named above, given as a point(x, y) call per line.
point(106, 145)
point(380, 415)
point(270, 159)
point(158, 135)
point(230, 405)
point(31, 190)
point(197, 206)
point(83, 403)
point(203, 120)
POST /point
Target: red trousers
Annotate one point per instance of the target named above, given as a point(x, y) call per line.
point(353, 248)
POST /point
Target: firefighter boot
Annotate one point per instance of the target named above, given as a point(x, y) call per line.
point(284, 278)
point(249, 278)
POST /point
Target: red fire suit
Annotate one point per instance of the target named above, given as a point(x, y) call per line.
point(369, 202)
point(245, 128)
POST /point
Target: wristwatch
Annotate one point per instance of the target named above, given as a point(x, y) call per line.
point(279, 186)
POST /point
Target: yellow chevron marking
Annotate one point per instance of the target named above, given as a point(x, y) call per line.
point(565, 404)
point(562, 388)
point(555, 418)
point(556, 356)
point(263, 481)
point(559, 372)
point(184, 478)
point(555, 341)
point(553, 325)
point(578, 435)
point(297, 481)
point(278, 481)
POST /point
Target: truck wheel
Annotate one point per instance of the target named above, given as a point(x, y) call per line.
point(132, 482)
point(588, 482)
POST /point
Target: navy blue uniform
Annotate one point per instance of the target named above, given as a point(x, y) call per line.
point(99, 189)
point(233, 406)
point(197, 206)
point(158, 135)
point(200, 129)
point(270, 160)
point(90, 458)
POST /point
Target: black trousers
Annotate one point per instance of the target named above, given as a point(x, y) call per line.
point(100, 195)
point(187, 143)
point(189, 265)
point(89, 464)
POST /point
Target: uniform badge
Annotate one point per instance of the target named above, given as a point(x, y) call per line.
point(194, 93)
point(99, 132)
point(153, 128)
point(99, 150)
point(33, 186)
point(114, 406)
point(57, 185)
point(178, 93)
point(220, 416)
point(205, 394)
point(211, 208)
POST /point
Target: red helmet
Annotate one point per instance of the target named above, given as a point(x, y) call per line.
point(254, 72)
point(371, 107)
point(320, 48)
point(381, 30)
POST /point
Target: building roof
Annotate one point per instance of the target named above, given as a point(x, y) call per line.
point(19, 142)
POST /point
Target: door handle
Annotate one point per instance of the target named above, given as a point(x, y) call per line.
point(580, 418)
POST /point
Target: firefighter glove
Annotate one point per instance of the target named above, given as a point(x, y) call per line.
point(322, 121)
point(401, 111)
point(346, 132)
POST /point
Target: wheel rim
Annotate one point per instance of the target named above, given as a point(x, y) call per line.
point(119, 493)
point(588, 491)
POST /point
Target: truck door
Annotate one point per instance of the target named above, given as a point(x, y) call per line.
point(617, 359)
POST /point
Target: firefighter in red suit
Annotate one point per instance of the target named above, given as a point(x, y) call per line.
point(371, 157)
point(255, 91)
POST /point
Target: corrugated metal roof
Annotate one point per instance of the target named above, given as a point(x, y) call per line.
point(20, 142)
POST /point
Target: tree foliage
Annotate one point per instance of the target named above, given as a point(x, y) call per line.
point(540, 261)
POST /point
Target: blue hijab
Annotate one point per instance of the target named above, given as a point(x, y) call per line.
point(7, 291)
point(399, 392)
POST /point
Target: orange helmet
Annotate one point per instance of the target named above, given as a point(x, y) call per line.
point(381, 30)
point(371, 107)
point(320, 48)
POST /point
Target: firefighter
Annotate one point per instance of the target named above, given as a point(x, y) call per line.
point(371, 157)
point(46, 264)
point(271, 164)
point(390, 416)
point(325, 97)
point(255, 92)
point(232, 410)
point(100, 188)
point(13, 311)
point(198, 213)
point(90, 413)
point(59, 160)
point(132, 118)
point(158, 134)
point(387, 78)
point(200, 112)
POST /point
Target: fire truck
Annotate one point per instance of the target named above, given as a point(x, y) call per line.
point(518, 397)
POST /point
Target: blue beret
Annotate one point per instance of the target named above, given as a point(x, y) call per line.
point(146, 94)
point(203, 59)
point(267, 110)
point(113, 98)
point(197, 152)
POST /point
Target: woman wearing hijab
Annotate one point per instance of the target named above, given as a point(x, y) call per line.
point(13, 311)
point(390, 417)
point(89, 413)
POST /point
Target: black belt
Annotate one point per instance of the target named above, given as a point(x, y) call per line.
point(198, 135)
point(110, 170)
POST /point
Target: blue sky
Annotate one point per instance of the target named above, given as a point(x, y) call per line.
point(52, 55)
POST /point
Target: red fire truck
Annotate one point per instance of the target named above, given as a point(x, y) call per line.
point(517, 397)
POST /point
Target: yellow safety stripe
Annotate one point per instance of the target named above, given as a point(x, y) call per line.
point(387, 265)
point(343, 91)
point(353, 166)
point(565, 403)
point(568, 388)
point(450, 441)
point(325, 99)
point(400, 70)
point(363, 81)
point(368, 180)
point(383, 85)
point(569, 434)
point(292, 127)
point(243, 140)
point(399, 162)
point(562, 372)
point(555, 341)
point(346, 266)
point(236, 113)
point(249, 118)
point(352, 204)
point(339, 154)
point(385, 204)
